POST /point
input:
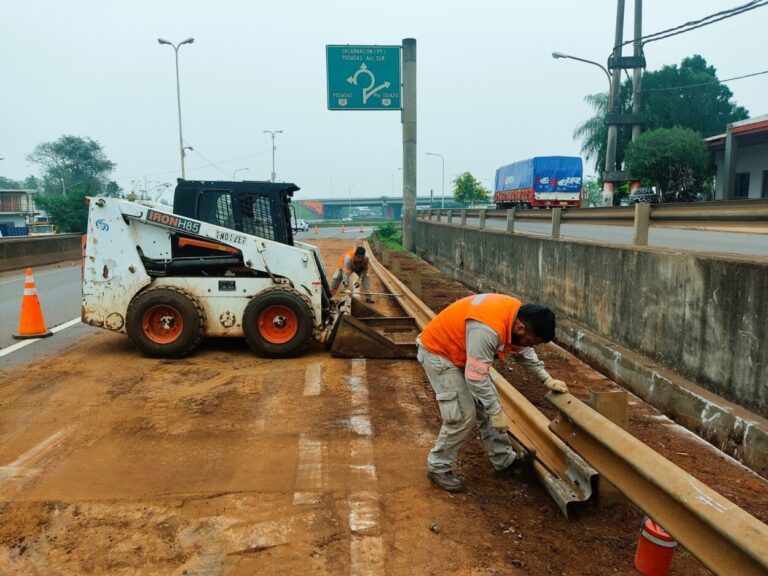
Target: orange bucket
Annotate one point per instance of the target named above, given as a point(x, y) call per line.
point(655, 549)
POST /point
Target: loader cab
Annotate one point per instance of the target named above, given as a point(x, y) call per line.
point(260, 209)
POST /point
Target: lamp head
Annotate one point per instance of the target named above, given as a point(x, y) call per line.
point(163, 41)
point(557, 55)
point(187, 41)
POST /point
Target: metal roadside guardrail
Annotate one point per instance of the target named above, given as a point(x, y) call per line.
point(721, 535)
point(724, 537)
point(716, 215)
point(566, 476)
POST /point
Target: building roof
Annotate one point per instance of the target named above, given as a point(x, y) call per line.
point(750, 132)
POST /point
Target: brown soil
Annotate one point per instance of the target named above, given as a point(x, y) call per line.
point(226, 463)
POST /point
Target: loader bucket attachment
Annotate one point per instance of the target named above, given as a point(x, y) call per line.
point(374, 336)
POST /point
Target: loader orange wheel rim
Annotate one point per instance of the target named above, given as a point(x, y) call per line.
point(162, 324)
point(278, 324)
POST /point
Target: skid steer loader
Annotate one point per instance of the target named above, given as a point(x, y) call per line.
point(222, 262)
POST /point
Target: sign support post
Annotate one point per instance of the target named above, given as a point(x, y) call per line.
point(409, 143)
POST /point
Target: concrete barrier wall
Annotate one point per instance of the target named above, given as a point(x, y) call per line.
point(703, 316)
point(27, 251)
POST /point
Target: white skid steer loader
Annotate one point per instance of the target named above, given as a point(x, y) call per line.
point(222, 262)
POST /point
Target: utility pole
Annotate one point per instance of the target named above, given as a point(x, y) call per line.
point(273, 132)
point(613, 97)
point(178, 93)
point(637, 73)
point(409, 143)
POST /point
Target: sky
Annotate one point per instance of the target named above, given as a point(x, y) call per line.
point(488, 90)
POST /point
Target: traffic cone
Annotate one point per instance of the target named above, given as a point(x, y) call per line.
point(31, 321)
point(316, 230)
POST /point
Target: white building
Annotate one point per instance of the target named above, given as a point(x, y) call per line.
point(741, 160)
point(17, 211)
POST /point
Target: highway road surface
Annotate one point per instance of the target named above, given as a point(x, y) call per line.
point(702, 240)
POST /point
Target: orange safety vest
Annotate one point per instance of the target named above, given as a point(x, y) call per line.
point(445, 335)
point(351, 254)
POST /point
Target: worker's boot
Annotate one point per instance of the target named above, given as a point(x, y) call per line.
point(523, 460)
point(370, 300)
point(447, 481)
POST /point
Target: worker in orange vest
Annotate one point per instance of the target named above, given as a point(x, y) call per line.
point(457, 349)
point(353, 261)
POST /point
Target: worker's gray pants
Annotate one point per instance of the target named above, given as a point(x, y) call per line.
point(363, 276)
point(460, 411)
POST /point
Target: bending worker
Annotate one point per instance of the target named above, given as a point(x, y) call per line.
point(457, 349)
point(351, 261)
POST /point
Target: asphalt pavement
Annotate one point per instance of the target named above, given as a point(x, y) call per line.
point(703, 240)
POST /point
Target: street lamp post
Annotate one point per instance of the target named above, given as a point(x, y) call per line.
point(273, 132)
point(236, 171)
point(613, 87)
point(178, 94)
point(442, 195)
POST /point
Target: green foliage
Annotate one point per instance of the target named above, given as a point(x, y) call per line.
point(72, 161)
point(706, 107)
point(594, 192)
point(10, 184)
point(391, 235)
point(675, 160)
point(467, 188)
point(113, 190)
point(68, 211)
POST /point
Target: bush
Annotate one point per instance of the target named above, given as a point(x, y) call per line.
point(391, 235)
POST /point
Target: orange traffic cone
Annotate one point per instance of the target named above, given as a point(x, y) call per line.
point(31, 321)
point(316, 230)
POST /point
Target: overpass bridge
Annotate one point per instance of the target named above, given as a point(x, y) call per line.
point(387, 207)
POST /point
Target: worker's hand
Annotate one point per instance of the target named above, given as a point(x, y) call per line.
point(556, 385)
point(347, 292)
point(499, 421)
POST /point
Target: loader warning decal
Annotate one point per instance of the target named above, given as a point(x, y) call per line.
point(173, 221)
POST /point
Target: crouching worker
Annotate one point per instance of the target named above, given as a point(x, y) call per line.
point(457, 349)
point(352, 261)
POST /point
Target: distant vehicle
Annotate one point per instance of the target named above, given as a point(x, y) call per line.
point(643, 195)
point(347, 219)
point(539, 182)
point(300, 225)
point(42, 229)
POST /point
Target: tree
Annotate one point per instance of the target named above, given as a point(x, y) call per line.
point(72, 161)
point(675, 160)
point(705, 107)
point(594, 192)
point(690, 96)
point(68, 211)
point(467, 188)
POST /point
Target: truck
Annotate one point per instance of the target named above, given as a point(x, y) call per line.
point(221, 262)
point(539, 182)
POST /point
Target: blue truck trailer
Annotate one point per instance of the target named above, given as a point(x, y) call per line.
point(541, 181)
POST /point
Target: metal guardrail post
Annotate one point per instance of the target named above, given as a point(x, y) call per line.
point(482, 219)
point(463, 218)
point(642, 222)
point(429, 214)
point(557, 214)
point(439, 215)
point(511, 220)
point(449, 218)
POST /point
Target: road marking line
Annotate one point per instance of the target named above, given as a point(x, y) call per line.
point(23, 343)
point(309, 471)
point(312, 379)
point(366, 547)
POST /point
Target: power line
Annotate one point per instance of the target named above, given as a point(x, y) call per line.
point(684, 87)
point(700, 23)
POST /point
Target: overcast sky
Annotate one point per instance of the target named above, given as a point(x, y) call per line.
point(489, 92)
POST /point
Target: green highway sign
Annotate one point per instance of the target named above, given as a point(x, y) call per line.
point(363, 77)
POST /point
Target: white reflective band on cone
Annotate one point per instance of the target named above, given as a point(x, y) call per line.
point(30, 292)
point(657, 541)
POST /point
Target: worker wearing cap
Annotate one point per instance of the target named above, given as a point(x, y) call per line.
point(457, 349)
point(351, 261)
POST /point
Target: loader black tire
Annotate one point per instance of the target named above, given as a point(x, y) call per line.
point(278, 323)
point(165, 322)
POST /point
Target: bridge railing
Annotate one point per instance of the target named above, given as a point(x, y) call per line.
point(742, 215)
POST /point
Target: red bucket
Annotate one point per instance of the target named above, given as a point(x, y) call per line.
point(655, 549)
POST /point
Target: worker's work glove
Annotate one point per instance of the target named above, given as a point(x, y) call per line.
point(556, 385)
point(347, 292)
point(499, 421)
